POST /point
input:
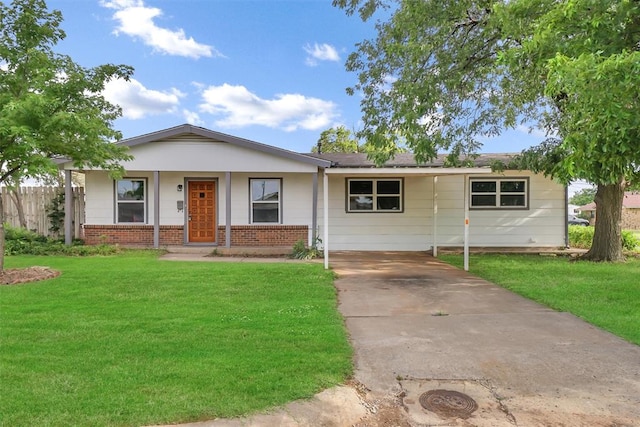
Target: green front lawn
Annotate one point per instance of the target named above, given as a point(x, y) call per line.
point(603, 294)
point(130, 340)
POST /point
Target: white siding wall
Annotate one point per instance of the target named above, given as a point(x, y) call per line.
point(541, 225)
point(296, 196)
point(408, 230)
point(296, 193)
point(201, 154)
point(169, 196)
point(100, 196)
point(99, 202)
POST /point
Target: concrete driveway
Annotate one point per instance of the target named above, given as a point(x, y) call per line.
point(417, 325)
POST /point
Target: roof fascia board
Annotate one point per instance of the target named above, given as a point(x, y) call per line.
point(425, 171)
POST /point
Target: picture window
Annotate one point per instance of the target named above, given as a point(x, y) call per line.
point(501, 193)
point(266, 200)
point(374, 195)
point(131, 201)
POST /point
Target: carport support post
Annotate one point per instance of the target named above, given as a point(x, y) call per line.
point(435, 216)
point(466, 222)
point(325, 209)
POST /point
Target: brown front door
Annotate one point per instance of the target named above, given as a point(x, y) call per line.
point(202, 211)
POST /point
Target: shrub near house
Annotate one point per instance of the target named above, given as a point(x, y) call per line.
point(581, 237)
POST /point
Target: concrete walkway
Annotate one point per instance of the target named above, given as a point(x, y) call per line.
point(417, 325)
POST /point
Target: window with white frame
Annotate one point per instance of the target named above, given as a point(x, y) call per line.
point(502, 193)
point(374, 195)
point(266, 200)
point(131, 200)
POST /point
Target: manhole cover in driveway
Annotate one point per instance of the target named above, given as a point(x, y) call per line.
point(448, 403)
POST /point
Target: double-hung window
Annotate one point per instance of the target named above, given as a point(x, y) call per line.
point(374, 195)
point(503, 193)
point(266, 200)
point(131, 200)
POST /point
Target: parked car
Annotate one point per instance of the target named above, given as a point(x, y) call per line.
point(574, 220)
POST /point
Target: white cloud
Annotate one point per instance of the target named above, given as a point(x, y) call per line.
point(192, 118)
point(239, 107)
point(137, 101)
point(320, 52)
point(136, 20)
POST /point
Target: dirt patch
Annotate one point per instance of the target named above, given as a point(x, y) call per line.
point(382, 411)
point(16, 276)
point(387, 414)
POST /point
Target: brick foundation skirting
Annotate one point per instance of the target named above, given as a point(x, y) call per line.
point(138, 235)
point(241, 235)
point(264, 235)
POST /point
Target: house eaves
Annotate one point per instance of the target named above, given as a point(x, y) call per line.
point(187, 129)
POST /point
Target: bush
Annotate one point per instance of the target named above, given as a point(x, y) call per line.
point(19, 241)
point(629, 240)
point(582, 237)
point(301, 251)
point(18, 233)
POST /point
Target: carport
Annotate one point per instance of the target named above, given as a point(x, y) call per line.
point(426, 172)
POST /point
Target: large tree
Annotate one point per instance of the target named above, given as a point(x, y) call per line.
point(442, 75)
point(50, 107)
point(337, 140)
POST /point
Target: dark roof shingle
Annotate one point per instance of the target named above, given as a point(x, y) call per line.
point(404, 160)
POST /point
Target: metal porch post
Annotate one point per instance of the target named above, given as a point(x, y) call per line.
point(325, 208)
point(156, 209)
point(68, 208)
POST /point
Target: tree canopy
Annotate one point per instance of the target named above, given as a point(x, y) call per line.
point(50, 106)
point(440, 76)
point(337, 140)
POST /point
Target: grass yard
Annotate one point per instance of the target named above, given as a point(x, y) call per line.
point(129, 340)
point(605, 295)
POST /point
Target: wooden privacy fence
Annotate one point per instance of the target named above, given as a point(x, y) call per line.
point(36, 202)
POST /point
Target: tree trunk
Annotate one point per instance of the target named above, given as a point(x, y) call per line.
point(1, 235)
point(607, 236)
point(20, 208)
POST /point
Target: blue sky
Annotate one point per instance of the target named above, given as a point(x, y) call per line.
point(267, 70)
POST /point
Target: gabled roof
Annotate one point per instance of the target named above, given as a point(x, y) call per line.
point(631, 200)
point(187, 129)
point(405, 160)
